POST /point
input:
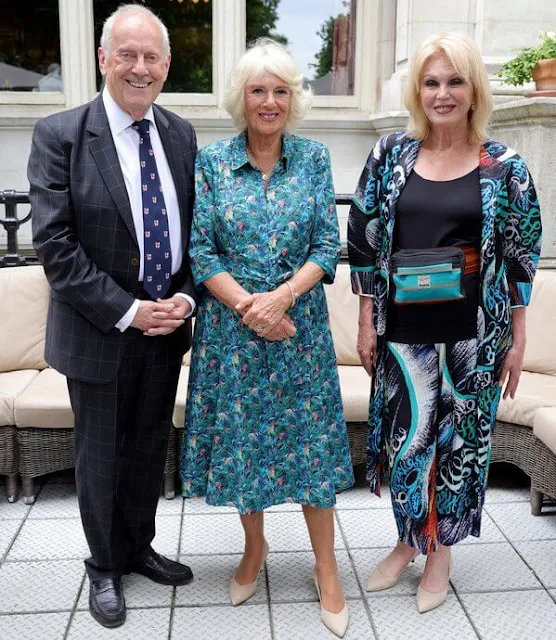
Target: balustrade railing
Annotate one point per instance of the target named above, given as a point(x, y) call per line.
point(12, 256)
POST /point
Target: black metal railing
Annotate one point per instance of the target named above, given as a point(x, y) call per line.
point(13, 256)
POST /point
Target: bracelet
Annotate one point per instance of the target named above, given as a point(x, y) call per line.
point(292, 291)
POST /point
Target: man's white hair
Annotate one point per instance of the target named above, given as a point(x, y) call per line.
point(131, 8)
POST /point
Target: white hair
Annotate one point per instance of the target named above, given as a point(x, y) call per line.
point(132, 8)
point(267, 56)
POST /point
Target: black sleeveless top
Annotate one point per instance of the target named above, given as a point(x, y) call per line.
point(437, 214)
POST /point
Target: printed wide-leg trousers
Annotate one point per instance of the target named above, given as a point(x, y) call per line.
point(431, 441)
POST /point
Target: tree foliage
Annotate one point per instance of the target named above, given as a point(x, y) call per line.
point(324, 56)
point(190, 28)
point(262, 16)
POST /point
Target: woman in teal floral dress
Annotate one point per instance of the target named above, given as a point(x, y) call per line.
point(264, 420)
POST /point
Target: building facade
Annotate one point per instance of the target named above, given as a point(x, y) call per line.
point(359, 85)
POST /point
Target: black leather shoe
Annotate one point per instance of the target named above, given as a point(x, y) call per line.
point(106, 602)
point(162, 570)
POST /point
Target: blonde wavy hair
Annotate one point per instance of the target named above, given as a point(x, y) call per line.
point(267, 56)
point(466, 59)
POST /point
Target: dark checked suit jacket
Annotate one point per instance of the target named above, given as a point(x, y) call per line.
point(84, 235)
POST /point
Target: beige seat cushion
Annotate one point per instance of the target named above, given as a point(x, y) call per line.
point(355, 386)
point(11, 385)
point(187, 355)
point(343, 308)
point(545, 427)
point(24, 293)
point(178, 417)
point(535, 390)
point(540, 352)
point(45, 403)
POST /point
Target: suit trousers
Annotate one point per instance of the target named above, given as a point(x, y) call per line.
point(121, 440)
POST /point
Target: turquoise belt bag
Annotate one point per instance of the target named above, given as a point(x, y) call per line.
point(424, 276)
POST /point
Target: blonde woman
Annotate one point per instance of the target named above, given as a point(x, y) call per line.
point(264, 422)
point(444, 240)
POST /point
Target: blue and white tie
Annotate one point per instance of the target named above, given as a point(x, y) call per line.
point(156, 237)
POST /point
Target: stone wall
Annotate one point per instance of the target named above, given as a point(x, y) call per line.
point(529, 127)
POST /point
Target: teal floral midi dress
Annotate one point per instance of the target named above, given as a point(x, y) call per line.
point(264, 422)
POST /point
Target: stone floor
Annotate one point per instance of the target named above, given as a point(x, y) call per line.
point(503, 585)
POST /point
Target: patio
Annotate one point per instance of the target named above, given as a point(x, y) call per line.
point(503, 585)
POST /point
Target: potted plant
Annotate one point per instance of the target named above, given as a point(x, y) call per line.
point(536, 63)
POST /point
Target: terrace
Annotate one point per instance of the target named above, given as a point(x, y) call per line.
point(503, 585)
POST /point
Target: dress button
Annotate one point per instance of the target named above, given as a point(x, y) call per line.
point(134, 262)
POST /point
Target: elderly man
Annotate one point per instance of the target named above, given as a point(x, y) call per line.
point(112, 195)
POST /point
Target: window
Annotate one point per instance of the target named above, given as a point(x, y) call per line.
point(320, 35)
point(30, 46)
point(333, 42)
point(189, 24)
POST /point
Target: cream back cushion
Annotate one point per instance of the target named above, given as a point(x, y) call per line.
point(540, 352)
point(343, 307)
point(187, 355)
point(24, 294)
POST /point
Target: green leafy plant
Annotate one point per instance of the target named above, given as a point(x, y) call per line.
point(518, 70)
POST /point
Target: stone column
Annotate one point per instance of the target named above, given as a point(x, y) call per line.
point(415, 20)
point(498, 26)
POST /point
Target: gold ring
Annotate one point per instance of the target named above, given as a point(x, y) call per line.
point(258, 329)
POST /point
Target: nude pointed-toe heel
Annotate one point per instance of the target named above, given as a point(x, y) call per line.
point(378, 581)
point(429, 600)
point(239, 593)
point(336, 622)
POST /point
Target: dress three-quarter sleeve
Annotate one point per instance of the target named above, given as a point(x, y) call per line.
point(325, 239)
point(364, 225)
point(203, 246)
point(522, 232)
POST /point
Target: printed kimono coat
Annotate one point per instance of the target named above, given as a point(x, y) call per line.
point(510, 248)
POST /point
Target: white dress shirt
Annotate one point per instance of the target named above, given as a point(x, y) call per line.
point(126, 141)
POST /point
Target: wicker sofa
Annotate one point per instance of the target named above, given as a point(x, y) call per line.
point(36, 435)
point(36, 432)
point(525, 434)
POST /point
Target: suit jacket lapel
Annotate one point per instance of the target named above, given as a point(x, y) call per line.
point(171, 149)
point(105, 156)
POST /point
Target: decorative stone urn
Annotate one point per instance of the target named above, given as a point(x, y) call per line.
point(544, 75)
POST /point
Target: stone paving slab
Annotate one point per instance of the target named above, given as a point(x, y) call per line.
point(527, 615)
point(398, 618)
point(229, 623)
point(27, 587)
point(503, 585)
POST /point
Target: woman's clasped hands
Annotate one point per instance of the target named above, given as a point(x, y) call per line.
point(265, 313)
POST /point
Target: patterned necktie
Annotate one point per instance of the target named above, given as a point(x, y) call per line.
point(158, 261)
